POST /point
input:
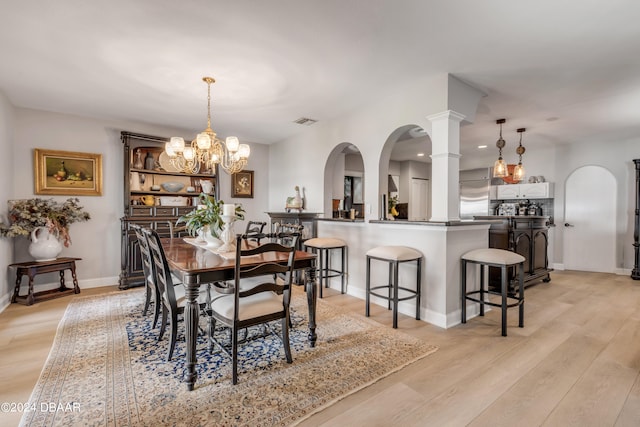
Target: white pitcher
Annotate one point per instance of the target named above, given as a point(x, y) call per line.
point(207, 186)
point(44, 245)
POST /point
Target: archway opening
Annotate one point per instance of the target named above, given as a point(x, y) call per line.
point(344, 182)
point(405, 175)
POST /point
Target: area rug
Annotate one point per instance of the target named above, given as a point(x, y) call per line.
point(107, 368)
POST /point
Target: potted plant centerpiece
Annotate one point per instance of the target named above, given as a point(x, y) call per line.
point(46, 221)
point(205, 222)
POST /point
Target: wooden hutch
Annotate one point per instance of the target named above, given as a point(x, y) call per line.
point(146, 168)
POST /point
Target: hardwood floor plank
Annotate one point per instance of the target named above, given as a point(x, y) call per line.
point(597, 398)
point(630, 414)
point(532, 398)
point(576, 362)
point(460, 403)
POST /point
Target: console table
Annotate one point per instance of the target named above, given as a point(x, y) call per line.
point(33, 268)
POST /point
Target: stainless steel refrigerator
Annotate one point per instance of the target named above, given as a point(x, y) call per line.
point(475, 185)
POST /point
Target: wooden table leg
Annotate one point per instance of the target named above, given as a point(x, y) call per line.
point(63, 287)
point(76, 288)
point(16, 291)
point(191, 322)
point(30, 297)
point(312, 297)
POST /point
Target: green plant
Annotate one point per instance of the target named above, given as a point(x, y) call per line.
point(208, 213)
point(393, 201)
point(27, 214)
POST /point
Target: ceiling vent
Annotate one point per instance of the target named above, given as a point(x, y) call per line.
point(305, 121)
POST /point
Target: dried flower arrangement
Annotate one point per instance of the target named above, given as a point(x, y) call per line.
point(27, 214)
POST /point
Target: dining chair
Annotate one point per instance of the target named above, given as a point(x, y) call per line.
point(173, 293)
point(151, 287)
point(259, 304)
point(254, 228)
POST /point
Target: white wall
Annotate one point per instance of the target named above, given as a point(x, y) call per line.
point(7, 178)
point(97, 241)
point(255, 207)
point(300, 160)
point(617, 157)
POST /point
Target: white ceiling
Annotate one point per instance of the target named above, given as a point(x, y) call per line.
point(566, 70)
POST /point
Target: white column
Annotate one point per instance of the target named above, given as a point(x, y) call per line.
point(445, 165)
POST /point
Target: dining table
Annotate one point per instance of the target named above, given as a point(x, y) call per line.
point(197, 265)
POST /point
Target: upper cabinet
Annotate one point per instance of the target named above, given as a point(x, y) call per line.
point(541, 190)
point(151, 180)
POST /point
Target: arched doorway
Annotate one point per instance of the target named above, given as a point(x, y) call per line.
point(589, 228)
point(405, 173)
point(344, 182)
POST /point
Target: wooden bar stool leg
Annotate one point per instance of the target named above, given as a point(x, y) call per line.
point(320, 270)
point(504, 287)
point(463, 291)
point(344, 260)
point(521, 296)
point(395, 294)
point(418, 288)
point(390, 286)
point(368, 287)
point(482, 289)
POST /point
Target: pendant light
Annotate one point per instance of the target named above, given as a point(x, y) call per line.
point(500, 167)
point(518, 171)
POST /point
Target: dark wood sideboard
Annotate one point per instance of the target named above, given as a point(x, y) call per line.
point(527, 236)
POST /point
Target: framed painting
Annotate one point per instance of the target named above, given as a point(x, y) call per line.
point(242, 184)
point(67, 173)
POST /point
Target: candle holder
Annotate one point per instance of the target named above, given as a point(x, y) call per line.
point(228, 244)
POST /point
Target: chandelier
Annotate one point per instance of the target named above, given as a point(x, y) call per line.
point(206, 150)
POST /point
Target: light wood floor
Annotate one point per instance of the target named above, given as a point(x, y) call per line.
point(576, 361)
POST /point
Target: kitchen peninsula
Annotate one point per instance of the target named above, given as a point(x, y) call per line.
point(441, 243)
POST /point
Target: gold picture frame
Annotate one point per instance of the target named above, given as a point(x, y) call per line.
point(67, 173)
point(242, 184)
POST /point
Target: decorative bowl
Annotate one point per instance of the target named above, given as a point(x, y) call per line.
point(172, 187)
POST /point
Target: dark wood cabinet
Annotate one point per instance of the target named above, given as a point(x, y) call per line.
point(527, 236)
point(145, 169)
point(304, 218)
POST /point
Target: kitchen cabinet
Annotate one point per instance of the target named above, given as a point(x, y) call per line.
point(145, 169)
point(527, 236)
point(540, 190)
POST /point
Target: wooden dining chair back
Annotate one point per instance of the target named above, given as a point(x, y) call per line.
point(151, 287)
point(285, 233)
point(263, 302)
point(253, 229)
point(173, 293)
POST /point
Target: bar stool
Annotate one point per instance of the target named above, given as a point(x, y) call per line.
point(394, 255)
point(493, 258)
point(323, 246)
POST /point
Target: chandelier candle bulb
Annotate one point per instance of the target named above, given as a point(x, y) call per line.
point(229, 209)
point(232, 143)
